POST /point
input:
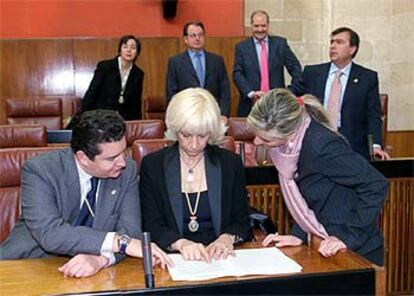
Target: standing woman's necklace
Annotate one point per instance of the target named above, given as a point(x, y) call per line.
point(124, 78)
point(190, 171)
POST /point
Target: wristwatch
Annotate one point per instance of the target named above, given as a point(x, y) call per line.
point(123, 242)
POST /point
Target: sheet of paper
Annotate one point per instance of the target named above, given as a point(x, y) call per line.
point(261, 261)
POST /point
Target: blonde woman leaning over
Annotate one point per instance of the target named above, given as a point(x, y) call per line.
point(330, 191)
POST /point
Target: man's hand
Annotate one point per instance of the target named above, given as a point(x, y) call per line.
point(381, 154)
point(222, 247)
point(83, 265)
point(257, 95)
point(134, 249)
point(330, 246)
point(224, 119)
point(282, 240)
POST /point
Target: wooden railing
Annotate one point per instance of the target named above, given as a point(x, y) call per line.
point(396, 221)
point(397, 224)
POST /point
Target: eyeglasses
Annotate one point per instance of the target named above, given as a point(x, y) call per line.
point(194, 35)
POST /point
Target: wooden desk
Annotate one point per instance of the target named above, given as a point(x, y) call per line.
point(345, 273)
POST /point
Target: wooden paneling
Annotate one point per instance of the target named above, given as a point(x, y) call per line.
point(154, 62)
point(64, 68)
point(36, 67)
point(397, 224)
point(224, 46)
point(86, 55)
point(268, 199)
point(401, 143)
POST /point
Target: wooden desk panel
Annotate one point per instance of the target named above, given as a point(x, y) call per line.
point(40, 276)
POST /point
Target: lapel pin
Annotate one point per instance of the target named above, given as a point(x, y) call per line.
point(356, 80)
point(113, 192)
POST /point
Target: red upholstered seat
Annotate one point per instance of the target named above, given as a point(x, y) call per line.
point(11, 164)
point(154, 107)
point(23, 135)
point(142, 147)
point(241, 134)
point(254, 155)
point(144, 129)
point(47, 112)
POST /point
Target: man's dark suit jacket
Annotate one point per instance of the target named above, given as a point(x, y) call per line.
point(181, 75)
point(105, 89)
point(345, 192)
point(246, 71)
point(361, 106)
point(161, 195)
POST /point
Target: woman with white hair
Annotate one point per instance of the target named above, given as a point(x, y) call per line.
point(193, 194)
point(330, 191)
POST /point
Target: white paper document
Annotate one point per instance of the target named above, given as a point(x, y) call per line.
point(261, 261)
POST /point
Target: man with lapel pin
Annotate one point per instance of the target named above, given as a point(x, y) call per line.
point(81, 201)
point(349, 92)
point(260, 62)
point(198, 68)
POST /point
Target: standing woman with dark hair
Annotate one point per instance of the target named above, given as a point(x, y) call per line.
point(330, 191)
point(117, 83)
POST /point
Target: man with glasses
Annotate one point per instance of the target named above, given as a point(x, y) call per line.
point(198, 68)
point(81, 201)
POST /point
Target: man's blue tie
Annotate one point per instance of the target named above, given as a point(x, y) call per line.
point(199, 69)
point(85, 217)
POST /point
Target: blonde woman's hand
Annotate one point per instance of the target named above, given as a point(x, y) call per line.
point(282, 240)
point(330, 246)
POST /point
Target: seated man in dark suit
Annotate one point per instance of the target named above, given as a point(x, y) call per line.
point(81, 201)
point(254, 75)
point(349, 92)
point(198, 68)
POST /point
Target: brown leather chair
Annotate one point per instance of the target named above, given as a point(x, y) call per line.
point(11, 164)
point(241, 134)
point(70, 106)
point(154, 108)
point(22, 135)
point(47, 112)
point(144, 129)
point(384, 118)
point(142, 147)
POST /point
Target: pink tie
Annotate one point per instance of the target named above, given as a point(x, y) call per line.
point(264, 69)
point(334, 98)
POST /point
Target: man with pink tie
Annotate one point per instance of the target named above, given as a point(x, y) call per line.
point(260, 61)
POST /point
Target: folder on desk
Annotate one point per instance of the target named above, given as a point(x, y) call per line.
point(261, 261)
